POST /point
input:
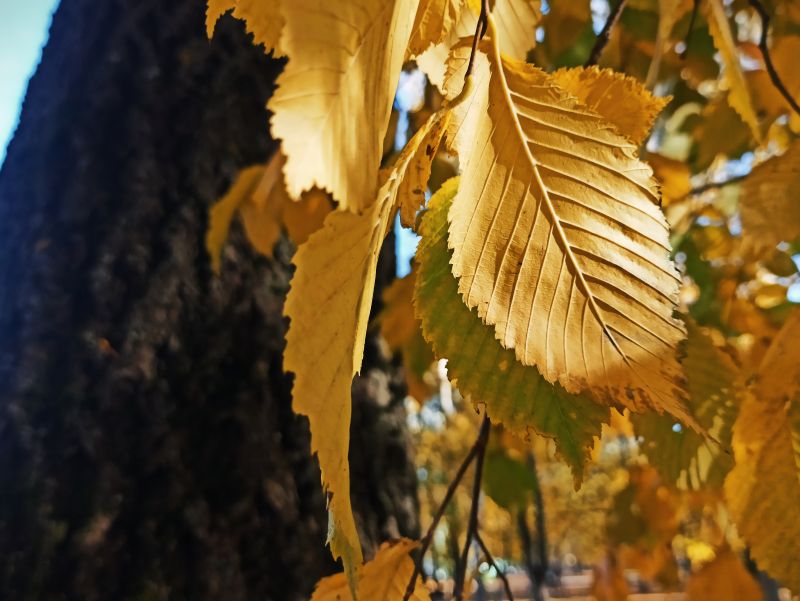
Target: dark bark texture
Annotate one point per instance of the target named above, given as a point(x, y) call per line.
point(147, 446)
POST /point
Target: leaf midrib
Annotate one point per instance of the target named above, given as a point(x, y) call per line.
point(547, 202)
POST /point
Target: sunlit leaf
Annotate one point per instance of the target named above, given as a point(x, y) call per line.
point(515, 395)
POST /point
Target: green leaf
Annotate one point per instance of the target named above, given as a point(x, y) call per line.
point(514, 394)
point(681, 455)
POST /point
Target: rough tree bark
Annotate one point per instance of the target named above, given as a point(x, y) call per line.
point(147, 445)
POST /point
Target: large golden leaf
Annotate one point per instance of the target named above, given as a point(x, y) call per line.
point(768, 200)
point(334, 98)
point(739, 96)
point(262, 18)
point(383, 579)
point(328, 305)
point(515, 395)
point(763, 489)
point(558, 240)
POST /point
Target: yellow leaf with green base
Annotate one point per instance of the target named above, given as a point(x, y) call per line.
point(514, 394)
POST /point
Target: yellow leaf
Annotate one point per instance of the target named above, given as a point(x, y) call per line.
point(784, 52)
point(673, 176)
point(261, 211)
point(223, 211)
point(436, 22)
point(763, 489)
point(559, 242)
point(385, 578)
point(609, 581)
point(214, 10)
point(514, 394)
point(768, 201)
point(682, 456)
point(305, 216)
point(425, 143)
point(262, 18)
point(723, 579)
point(739, 96)
point(335, 95)
point(617, 97)
point(328, 306)
point(516, 23)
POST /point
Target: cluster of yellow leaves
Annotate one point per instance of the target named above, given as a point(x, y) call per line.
point(544, 275)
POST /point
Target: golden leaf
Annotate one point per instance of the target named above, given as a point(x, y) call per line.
point(723, 579)
point(559, 242)
point(214, 10)
point(763, 489)
point(342, 63)
point(516, 22)
point(436, 22)
point(739, 96)
point(383, 579)
point(305, 216)
point(609, 582)
point(767, 200)
point(681, 455)
point(672, 175)
point(221, 215)
point(617, 97)
point(262, 19)
point(425, 143)
point(328, 305)
point(514, 394)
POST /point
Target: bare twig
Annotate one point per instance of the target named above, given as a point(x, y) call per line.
point(721, 184)
point(688, 40)
point(762, 45)
point(490, 560)
point(426, 540)
point(480, 31)
point(472, 524)
point(605, 34)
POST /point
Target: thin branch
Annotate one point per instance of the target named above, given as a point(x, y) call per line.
point(472, 524)
point(426, 540)
point(480, 30)
point(712, 185)
point(762, 45)
point(688, 39)
point(490, 560)
point(605, 35)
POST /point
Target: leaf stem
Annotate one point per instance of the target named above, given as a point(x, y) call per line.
point(472, 525)
point(490, 560)
point(480, 30)
point(605, 34)
point(426, 540)
point(762, 45)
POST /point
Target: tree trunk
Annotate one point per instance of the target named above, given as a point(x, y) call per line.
point(147, 444)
